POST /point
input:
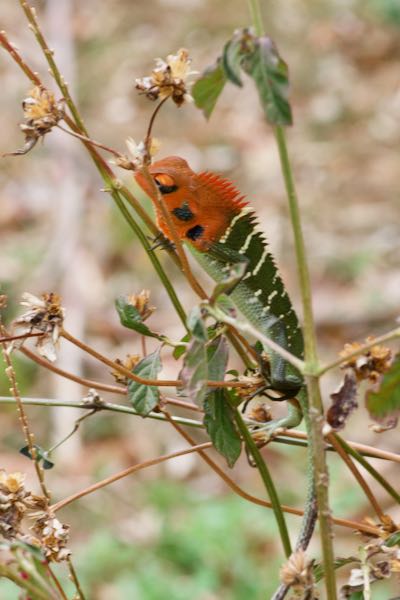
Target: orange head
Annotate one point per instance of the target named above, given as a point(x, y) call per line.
point(202, 205)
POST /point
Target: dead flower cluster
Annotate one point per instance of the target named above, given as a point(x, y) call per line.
point(371, 364)
point(46, 315)
point(41, 113)
point(168, 79)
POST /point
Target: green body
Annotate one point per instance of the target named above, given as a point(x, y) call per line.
point(261, 298)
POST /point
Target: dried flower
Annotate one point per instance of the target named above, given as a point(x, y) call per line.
point(141, 303)
point(137, 156)
point(129, 363)
point(12, 503)
point(260, 412)
point(46, 315)
point(369, 365)
point(254, 383)
point(53, 537)
point(168, 79)
point(41, 113)
point(297, 572)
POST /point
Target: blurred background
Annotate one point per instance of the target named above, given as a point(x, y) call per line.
point(175, 531)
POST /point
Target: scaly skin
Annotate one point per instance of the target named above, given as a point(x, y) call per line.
point(211, 217)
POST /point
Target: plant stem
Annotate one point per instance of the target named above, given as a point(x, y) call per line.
point(267, 480)
point(363, 484)
point(375, 474)
point(386, 337)
point(125, 473)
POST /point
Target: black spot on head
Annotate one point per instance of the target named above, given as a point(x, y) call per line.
point(183, 213)
point(195, 232)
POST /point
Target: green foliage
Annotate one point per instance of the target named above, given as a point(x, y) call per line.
point(145, 397)
point(195, 368)
point(131, 318)
point(208, 88)
point(385, 402)
point(258, 58)
point(219, 416)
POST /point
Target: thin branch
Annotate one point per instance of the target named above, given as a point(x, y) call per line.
point(22, 336)
point(84, 138)
point(154, 382)
point(56, 582)
point(125, 473)
point(107, 406)
point(18, 59)
point(29, 438)
point(363, 484)
point(386, 337)
point(74, 578)
point(248, 328)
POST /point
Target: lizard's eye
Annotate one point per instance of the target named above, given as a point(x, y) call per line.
point(165, 183)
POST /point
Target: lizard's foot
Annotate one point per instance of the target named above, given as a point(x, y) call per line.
point(265, 432)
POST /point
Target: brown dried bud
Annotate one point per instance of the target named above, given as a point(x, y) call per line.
point(129, 363)
point(53, 537)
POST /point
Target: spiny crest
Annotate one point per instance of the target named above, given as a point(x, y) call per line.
point(228, 195)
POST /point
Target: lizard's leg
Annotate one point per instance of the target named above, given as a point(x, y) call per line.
point(270, 429)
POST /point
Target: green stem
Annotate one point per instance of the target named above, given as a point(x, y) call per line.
point(153, 258)
point(267, 479)
point(317, 445)
point(377, 476)
point(108, 406)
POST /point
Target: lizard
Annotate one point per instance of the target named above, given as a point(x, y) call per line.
point(214, 221)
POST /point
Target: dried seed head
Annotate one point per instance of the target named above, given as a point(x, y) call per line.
point(369, 365)
point(46, 315)
point(53, 538)
point(13, 505)
point(297, 572)
point(260, 412)
point(41, 113)
point(138, 154)
point(253, 383)
point(141, 303)
point(129, 363)
point(168, 79)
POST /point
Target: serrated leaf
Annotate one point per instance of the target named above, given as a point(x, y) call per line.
point(220, 426)
point(145, 397)
point(131, 318)
point(231, 59)
point(385, 402)
point(208, 88)
point(219, 416)
point(217, 357)
point(270, 74)
point(196, 324)
point(194, 372)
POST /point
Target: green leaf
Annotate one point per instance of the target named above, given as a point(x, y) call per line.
point(208, 88)
point(195, 322)
point(232, 57)
point(41, 455)
point(270, 74)
point(385, 402)
point(229, 282)
point(145, 397)
point(219, 416)
point(131, 318)
point(194, 373)
point(179, 350)
point(220, 426)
